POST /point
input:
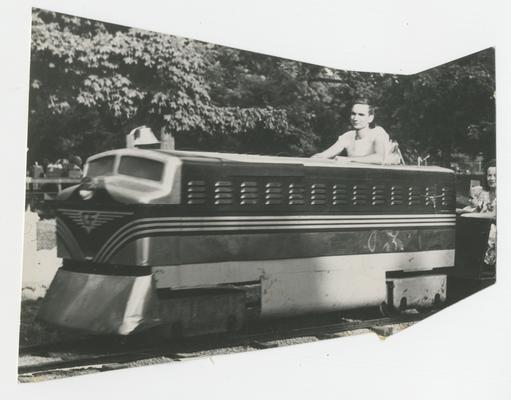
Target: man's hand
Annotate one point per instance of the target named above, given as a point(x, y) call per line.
point(343, 159)
point(318, 155)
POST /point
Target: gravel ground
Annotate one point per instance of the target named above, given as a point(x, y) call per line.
point(186, 355)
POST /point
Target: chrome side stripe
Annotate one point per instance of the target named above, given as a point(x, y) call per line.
point(153, 226)
point(149, 232)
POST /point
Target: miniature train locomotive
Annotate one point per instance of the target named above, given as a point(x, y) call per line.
point(199, 242)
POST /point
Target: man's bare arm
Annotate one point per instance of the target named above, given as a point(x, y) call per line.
point(332, 151)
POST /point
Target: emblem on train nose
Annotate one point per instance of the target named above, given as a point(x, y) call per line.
point(90, 220)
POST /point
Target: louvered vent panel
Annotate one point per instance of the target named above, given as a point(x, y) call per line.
point(249, 193)
point(296, 194)
point(361, 195)
point(223, 193)
point(273, 193)
point(318, 194)
point(378, 195)
point(414, 196)
point(431, 196)
point(340, 195)
point(196, 192)
point(396, 195)
point(447, 196)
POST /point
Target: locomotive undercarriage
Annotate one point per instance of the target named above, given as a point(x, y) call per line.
point(110, 299)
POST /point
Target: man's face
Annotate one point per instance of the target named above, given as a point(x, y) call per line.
point(360, 117)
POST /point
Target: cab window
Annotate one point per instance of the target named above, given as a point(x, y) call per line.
point(139, 167)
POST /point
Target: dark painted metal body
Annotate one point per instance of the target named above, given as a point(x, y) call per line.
point(212, 188)
point(470, 273)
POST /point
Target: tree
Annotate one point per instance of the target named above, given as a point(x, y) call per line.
point(450, 108)
point(92, 82)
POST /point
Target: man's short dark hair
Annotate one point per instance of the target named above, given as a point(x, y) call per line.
point(365, 101)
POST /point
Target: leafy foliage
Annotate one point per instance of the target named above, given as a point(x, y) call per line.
point(450, 108)
point(92, 82)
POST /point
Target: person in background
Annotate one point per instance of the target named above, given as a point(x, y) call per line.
point(476, 200)
point(490, 206)
point(46, 162)
point(483, 200)
point(75, 167)
point(65, 166)
point(364, 143)
point(75, 162)
point(37, 170)
point(491, 185)
point(54, 170)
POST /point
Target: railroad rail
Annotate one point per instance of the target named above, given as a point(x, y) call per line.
point(103, 354)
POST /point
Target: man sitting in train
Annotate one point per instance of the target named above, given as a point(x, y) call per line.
point(364, 143)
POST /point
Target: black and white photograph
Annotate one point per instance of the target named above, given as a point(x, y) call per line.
point(187, 201)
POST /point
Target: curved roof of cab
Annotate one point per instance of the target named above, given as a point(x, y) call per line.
point(263, 159)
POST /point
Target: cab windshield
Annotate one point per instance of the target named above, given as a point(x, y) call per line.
point(101, 166)
point(136, 167)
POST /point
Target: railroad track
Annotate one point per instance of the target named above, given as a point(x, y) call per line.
point(100, 354)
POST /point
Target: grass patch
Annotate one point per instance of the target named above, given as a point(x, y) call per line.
point(33, 332)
